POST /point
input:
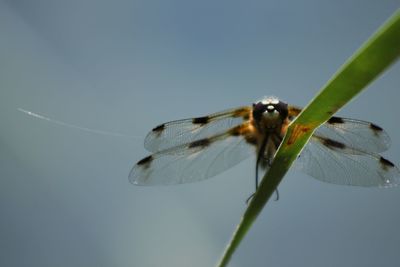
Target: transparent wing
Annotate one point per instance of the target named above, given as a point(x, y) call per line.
point(355, 134)
point(333, 162)
point(175, 133)
point(191, 162)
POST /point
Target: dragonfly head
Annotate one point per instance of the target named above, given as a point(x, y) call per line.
point(270, 112)
point(270, 107)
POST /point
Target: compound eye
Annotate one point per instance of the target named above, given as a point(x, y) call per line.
point(258, 110)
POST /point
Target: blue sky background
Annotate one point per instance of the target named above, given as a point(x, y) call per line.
point(126, 66)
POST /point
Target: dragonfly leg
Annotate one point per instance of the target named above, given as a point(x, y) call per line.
point(250, 197)
point(277, 194)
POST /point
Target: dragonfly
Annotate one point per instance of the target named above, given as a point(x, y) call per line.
point(341, 151)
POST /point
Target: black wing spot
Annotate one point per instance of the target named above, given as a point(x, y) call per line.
point(334, 120)
point(201, 120)
point(159, 128)
point(333, 144)
point(145, 161)
point(200, 143)
point(235, 131)
point(375, 127)
point(386, 162)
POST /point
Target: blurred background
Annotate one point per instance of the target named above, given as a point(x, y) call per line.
point(126, 66)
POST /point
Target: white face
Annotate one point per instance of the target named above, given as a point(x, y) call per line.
point(271, 112)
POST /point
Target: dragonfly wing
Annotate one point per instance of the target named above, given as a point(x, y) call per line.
point(175, 133)
point(333, 162)
point(198, 160)
point(356, 134)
